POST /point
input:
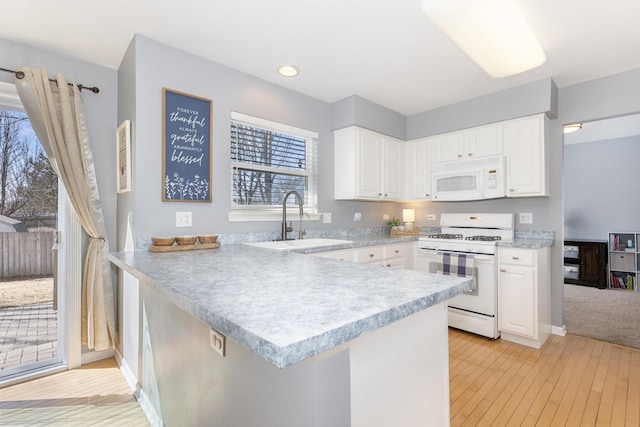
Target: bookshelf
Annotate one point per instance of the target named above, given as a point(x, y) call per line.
point(624, 260)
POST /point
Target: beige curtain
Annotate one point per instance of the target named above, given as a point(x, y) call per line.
point(57, 114)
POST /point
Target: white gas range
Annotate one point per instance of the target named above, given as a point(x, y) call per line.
point(474, 235)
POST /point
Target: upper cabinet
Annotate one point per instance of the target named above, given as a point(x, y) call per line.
point(477, 142)
point(367, 165)
point(418, 158)
point(372, 166)
point(525, 147)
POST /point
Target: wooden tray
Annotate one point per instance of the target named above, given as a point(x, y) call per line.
point(405, 232)
point(176, 248)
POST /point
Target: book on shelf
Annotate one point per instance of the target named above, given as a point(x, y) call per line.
point(619, 282)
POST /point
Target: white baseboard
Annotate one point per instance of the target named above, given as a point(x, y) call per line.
point(127, 373)
point(559, 330)
point(149, 410)
point(93, 356)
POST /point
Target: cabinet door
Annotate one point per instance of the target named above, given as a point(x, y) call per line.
point(517, 301)
point(369, 164)
point(392, 159)
point(448, 147)
point(483, 141)
point(525, 149)
point(418, 168)
point(590, 264)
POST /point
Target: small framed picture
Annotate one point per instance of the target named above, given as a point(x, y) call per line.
point(123, 157)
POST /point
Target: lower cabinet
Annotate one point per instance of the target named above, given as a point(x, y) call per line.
point(395, 255)
point(524, 295)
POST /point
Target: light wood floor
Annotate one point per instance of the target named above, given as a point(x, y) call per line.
point(94, 395)
point(571, 381)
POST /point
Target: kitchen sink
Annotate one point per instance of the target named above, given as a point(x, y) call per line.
point(284, 245)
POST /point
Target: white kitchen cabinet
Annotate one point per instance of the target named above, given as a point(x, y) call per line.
point(477, 142)
point(524, 303)
point(398, 255)
point(369, 254)
point(393, 255)
point(341, 254)
point(418, 158)
point(525, 147)
point(367, 165)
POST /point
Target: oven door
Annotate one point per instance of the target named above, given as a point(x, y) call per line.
point(482, 300)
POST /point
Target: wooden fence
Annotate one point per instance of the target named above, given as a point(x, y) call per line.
point(26, 254)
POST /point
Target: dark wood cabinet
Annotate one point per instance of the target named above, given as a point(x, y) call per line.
point(585, 263)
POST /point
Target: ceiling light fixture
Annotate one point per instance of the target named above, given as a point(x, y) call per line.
point(288, 70)
point(572, 128)
point(493, 33)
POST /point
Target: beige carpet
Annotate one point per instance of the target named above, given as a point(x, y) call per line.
point(602, 314)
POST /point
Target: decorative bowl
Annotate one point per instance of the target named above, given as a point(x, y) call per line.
point(208, 238)
point(186, 240)
point(163, 241)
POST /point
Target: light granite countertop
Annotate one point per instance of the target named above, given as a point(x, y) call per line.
point(286, 306)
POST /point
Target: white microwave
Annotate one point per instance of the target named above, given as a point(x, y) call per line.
point(469, 179)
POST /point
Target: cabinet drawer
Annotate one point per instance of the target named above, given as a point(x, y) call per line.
point(392, 251)
point(516, 256)
point(622, 262)
point(393, 263)
point(342, 255)
point(369, 254)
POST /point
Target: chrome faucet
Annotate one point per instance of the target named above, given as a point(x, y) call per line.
point(286, 229)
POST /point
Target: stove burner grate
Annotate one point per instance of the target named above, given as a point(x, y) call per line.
point(445, 236)
point(484, 238)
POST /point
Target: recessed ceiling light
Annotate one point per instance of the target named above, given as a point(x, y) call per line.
point(494, 33)
point(572, 128)
point(288, 70)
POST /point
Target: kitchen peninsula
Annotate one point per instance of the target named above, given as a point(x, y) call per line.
point(309, 341)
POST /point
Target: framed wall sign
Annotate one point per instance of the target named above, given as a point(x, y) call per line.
point(186, 147)
point(123, 157)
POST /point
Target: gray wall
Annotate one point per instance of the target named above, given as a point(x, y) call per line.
point(149, 66)
point(601, 187)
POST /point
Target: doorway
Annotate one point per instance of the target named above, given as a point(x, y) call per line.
point(601, 173)
point(33, 301)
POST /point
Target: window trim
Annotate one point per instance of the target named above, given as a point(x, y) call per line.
point(261, 213)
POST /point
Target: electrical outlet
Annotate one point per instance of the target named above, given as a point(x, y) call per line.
point(326, 217)
point(183, 219)
point(217, 342)
point(357, 216)
point(526, 218)
point(385, 217)
point(431, 217)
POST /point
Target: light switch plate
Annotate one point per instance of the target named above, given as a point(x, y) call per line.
point(385, 217)
point(326, 218)
point(526, 218)
point(431, 217)
point(183, 219)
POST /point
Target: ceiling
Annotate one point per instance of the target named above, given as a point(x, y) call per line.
point(386, 51)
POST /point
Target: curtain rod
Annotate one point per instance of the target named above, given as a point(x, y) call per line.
point(20, 75)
